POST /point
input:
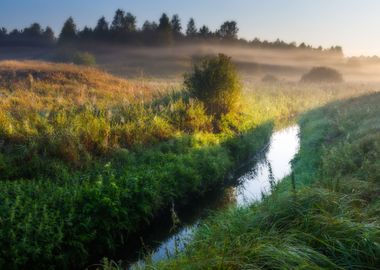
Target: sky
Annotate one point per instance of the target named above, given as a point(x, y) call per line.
point(353, 24)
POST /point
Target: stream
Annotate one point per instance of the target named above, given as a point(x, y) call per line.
point(266, 168)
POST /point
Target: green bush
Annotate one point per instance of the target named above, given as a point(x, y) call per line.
point(322, 74)
point(215, 82)
point(84, 58)
point(72, 56)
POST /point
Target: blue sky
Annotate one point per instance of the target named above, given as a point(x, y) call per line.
point(354, 24)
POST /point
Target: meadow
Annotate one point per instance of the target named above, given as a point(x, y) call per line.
point(324, 217)
point(87, 158)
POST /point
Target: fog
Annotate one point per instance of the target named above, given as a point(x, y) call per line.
point(172, 62)
point(252, 63)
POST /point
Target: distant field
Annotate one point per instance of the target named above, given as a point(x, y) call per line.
point(172, 62)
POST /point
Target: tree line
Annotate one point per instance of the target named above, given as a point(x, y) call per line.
point(123, 29)
point(34, 35)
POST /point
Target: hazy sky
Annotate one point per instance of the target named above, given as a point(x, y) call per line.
point(354, 24)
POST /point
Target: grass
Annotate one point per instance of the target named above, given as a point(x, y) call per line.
point(86, 158)
point(331, 220)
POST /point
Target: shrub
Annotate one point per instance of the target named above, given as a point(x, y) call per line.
point(322, 74)
point(215, 82)
point(84, 58)
point(76, 57)
point(269, 78)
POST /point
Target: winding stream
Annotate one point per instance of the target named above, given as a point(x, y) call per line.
point(270, 166)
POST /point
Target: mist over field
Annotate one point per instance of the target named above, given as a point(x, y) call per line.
point(172, 62)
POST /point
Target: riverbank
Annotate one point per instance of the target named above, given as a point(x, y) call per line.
point(326, 218)
point(250, 183)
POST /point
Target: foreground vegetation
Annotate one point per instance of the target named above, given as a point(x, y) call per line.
point(326, 218)
point(86, 158)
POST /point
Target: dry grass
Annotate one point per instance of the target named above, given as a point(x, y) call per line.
point(69, 75)
point(37, 84)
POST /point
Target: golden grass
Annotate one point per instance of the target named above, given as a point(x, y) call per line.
point(29, 83)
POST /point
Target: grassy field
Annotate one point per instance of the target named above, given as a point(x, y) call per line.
point(327, 218)
point(86, 157)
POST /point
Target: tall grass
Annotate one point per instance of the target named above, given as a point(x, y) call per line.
point(330, 221)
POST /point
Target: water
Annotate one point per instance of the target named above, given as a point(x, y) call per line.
point(275, 165)
point(269, 167)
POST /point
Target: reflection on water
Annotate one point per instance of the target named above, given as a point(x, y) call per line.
point(163, 239)
point(268, 168)
point(273, 166)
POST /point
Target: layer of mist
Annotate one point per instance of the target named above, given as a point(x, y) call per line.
point(172, 62)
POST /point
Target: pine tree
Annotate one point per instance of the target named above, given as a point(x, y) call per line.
point(229, 30)
point(33, 31)
point(68, 32)
point(102, 28)
point(191, 30)
point(165, 30)
point(3, 33)
point(205, 32)
point(48, 36)
point(176, 25)
point(86, 33)
point(118, 21)
point(164, 24)
point(149, 27)
point(129, 23)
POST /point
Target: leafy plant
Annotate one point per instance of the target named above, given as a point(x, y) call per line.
point(70, 55)
point(216, 83)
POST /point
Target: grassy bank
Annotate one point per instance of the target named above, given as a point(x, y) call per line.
point(329, 221)
point(86, 157)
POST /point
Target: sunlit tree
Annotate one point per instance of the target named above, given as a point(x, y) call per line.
point(216, 83)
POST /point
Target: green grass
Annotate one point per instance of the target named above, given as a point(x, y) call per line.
point(331, 220)
point(86, 158)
